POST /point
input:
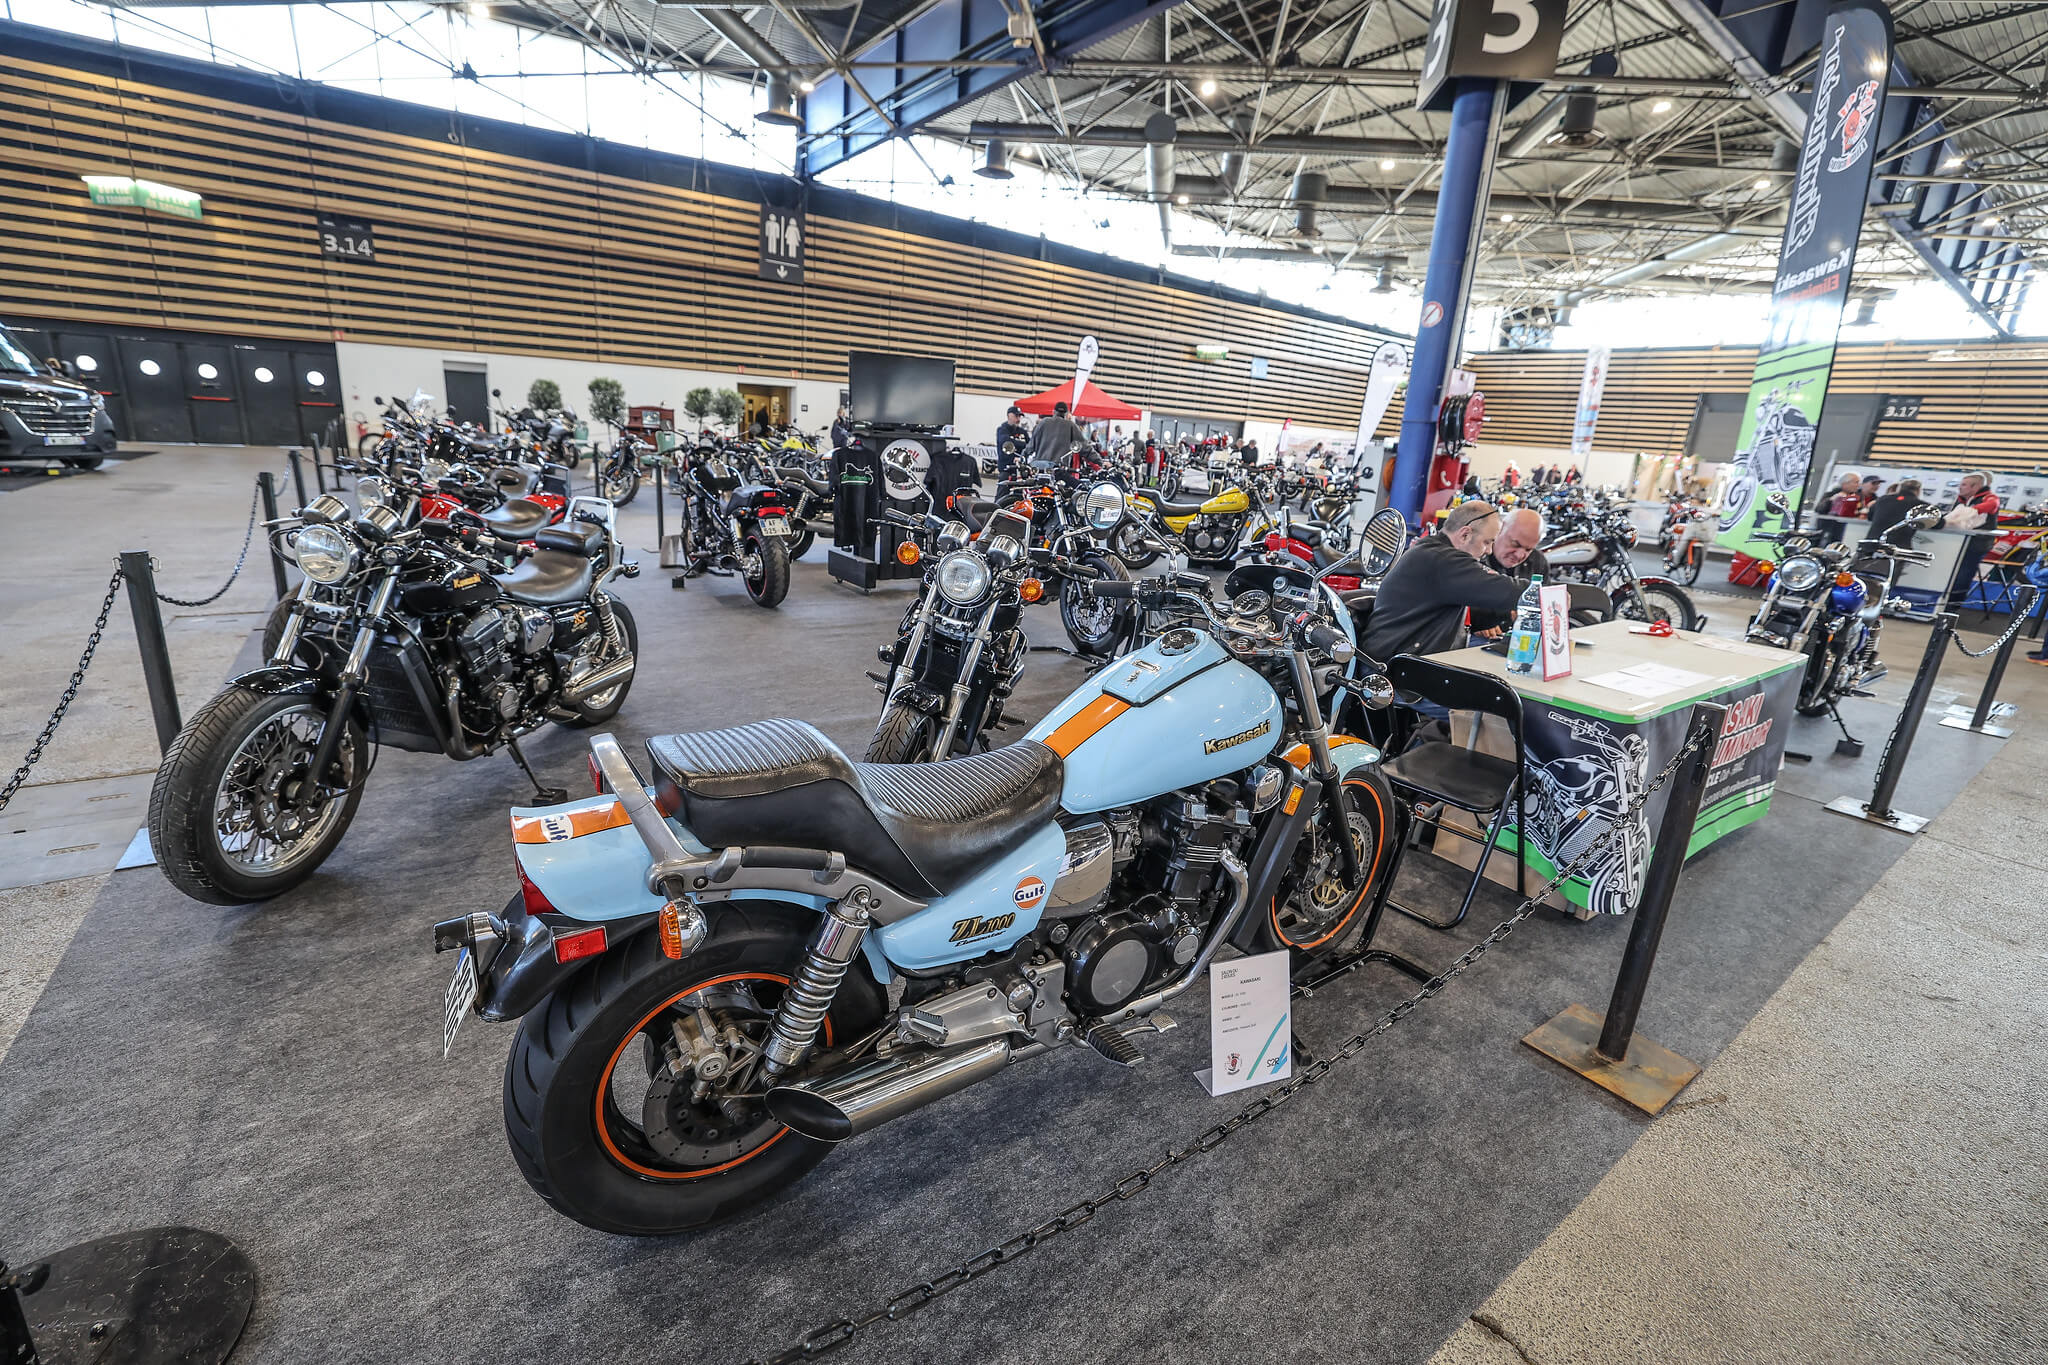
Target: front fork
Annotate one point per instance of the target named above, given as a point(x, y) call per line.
point(963, 684)
point(1317, 737)
point(355, 672)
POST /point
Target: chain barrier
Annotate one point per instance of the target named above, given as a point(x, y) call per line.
point(835, 1334)
point(92, 643)
point(2018, 619)
point(248, 536)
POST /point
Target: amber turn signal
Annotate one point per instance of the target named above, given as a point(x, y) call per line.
point(670, 924)
point(1845, 579)
point(907, 553)
point(1031, 590)
point(1765, 567)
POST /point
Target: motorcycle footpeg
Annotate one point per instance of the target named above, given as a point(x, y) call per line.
point(1110, 1044)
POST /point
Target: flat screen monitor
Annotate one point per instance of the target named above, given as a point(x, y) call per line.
point(900, 390)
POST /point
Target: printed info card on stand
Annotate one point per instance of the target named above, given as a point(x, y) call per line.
point(1251, 1032)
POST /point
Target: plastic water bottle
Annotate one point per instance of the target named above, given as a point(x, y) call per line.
point(1528, 632)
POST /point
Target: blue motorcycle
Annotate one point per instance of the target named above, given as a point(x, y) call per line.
point(768, 948)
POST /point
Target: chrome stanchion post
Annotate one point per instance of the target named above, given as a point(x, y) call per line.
point(1605, 1049)
point(155, 646)
point(1878, 809)
point(1979, 722)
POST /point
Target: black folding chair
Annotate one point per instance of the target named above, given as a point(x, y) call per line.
point(1589, 605)
point(1478, 783)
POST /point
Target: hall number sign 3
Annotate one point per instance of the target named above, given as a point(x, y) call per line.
point(1492, 39)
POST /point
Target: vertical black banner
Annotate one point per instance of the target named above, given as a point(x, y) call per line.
point(1775, 448)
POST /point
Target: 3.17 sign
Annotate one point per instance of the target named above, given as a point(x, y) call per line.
point(346, 239)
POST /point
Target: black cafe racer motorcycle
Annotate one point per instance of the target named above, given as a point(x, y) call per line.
point(401, 634)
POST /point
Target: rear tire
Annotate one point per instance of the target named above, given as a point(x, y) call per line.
point(905, 735)
point(1660, 602)
point(573, 1141)
point(225, 737)
point(592, 714)
point(771, 583)
point(803, 543)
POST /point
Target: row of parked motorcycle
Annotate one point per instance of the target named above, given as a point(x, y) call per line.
point(797, 946)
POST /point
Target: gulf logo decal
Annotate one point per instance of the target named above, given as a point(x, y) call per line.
point(1029, 893)
point(558, 826)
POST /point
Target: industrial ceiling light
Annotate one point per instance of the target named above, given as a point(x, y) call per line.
point(781, 109)
point(1208, 88)
point(1387, 164)
point(1575, 128)
point(1952, 163)
point(1763, 182)
point(1180, 199)
point(1993, 224)
point(1385, 284)
point(807, 85)
point(995, 161)
point(1661, 107)
point(1866, 311)
point(1507, 217)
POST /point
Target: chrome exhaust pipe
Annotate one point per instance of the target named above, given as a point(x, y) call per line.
point(864, 1099)
point(598, 680)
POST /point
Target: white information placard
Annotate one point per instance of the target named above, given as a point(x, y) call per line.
point(1251, 1035)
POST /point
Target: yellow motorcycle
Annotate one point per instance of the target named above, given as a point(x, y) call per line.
point(1218, 529)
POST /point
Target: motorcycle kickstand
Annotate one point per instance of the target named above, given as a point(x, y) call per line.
point(545, 796)
point(1848, 745)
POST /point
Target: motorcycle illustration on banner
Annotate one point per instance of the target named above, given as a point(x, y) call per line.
point(1575, 799)
point(1774, 449)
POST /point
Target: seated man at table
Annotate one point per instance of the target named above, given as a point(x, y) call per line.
point(1514, 554)
point(1423, 599)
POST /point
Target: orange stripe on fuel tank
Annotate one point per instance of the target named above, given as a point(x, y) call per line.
point(1083, 723)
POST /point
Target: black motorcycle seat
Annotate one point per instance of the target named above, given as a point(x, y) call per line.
point(516, 518)
point(818, 486)
point(1310, 536)
point(1165, 508)
point(574, 538)
point(548, 578)
point(1358, 599)
point(922, 827)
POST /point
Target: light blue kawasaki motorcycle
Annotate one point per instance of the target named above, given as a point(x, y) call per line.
point(770, 948)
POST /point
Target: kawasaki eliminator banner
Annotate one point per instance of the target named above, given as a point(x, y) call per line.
point(1774, 450)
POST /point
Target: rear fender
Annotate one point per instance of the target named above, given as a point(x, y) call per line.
point(585, 860)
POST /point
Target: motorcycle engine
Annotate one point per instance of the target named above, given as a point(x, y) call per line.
point(1210, 536)
point(488, 642)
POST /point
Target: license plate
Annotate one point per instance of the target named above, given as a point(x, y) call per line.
point(774, 526)
point(63, 440)
point(461, 996)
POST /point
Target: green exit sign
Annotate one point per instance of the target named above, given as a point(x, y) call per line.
point(127, 192)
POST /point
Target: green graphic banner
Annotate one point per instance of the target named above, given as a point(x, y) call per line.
point(1774, 449)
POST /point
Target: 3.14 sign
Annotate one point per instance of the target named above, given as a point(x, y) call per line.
point(346, 239)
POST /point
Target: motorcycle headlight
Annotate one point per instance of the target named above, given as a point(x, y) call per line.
point(1104, 507)
point(325, 554)
point(1799, 575)
point(372, 491)
point(963, 578)
point(433, 471)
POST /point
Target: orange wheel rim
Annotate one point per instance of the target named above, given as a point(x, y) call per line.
point(604, 1086)
point(1379, 828)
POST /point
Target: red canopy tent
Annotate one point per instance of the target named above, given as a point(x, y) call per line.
point(1095, 405)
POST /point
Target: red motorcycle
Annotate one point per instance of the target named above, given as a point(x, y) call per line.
point(1305, 543)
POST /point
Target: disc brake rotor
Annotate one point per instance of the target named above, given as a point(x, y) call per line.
point(720, 1127)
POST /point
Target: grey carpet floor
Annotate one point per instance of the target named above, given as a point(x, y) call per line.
point(275, 1074)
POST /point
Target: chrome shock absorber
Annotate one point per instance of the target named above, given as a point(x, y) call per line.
point(804, 1005)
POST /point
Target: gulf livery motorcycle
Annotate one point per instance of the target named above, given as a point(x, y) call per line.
point(1826, 602)
point(769, 948)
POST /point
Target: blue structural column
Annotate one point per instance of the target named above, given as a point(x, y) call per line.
point(1467, 158)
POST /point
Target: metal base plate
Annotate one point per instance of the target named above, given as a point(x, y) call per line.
point(1963, 723)
point(1899, 820)
point(160, 1296)
point(1648, 1078)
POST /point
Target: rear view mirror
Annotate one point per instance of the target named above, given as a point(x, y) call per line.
point(497, 393)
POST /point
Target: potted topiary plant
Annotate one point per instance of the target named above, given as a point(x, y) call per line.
point(545, 395)
point(608, 401)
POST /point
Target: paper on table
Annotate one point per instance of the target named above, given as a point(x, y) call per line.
point(1648, 680)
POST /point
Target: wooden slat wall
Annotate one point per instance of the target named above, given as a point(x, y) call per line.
point(490, 252)
point(1986, 403)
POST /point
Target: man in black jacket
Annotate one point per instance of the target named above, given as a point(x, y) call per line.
point(1054, 436)
point(1422, 602)
point(1514, 554)
point(1012, 429)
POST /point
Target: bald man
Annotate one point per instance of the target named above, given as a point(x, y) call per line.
point(1422, 601)
point(1514, 554)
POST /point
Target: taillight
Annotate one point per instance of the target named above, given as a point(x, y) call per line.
point(596, 774)
point(536, 903)
point(580, 944)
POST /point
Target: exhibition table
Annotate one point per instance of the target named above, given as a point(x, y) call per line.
point(1594, 739)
